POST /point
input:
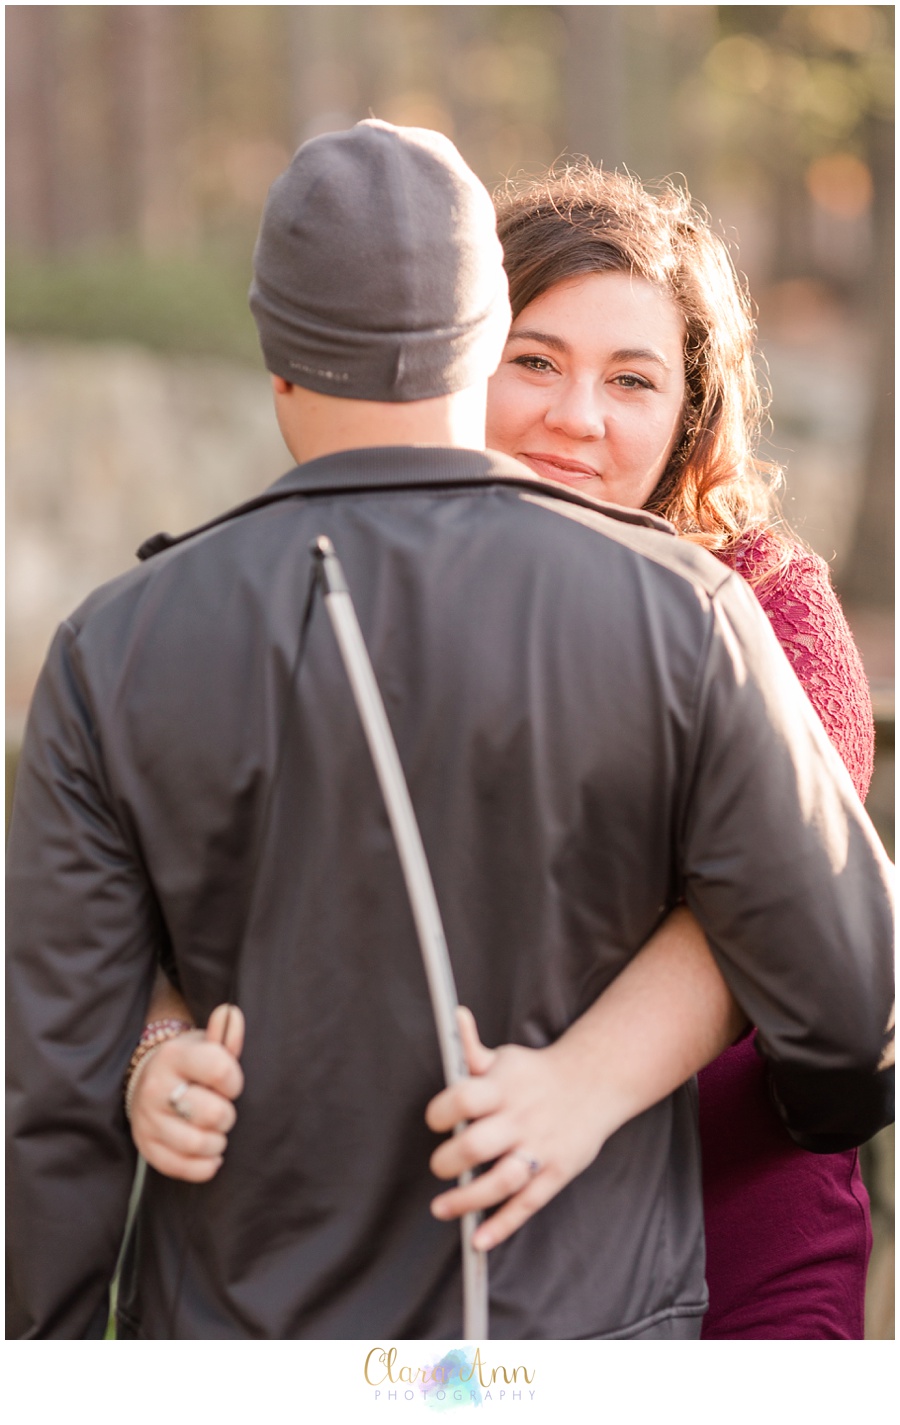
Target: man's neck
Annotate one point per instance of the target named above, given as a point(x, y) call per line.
point(314, 425)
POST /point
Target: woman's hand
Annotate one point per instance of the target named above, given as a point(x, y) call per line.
point(541, 1116)
point(182, 1109)
point(529, 1115)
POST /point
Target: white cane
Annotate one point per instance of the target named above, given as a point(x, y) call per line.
point(419, 886)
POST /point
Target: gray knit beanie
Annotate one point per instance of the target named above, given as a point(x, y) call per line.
point(378, 274)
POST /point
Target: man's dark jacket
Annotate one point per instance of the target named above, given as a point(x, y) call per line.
point(595, 721)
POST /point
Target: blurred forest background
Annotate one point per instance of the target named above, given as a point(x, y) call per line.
point(141, 141)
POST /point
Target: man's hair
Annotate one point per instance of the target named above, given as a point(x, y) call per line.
point(579, 219)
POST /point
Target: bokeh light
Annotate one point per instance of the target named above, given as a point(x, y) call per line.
point(840, 183)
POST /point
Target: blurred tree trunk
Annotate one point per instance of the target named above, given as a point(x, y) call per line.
point(34, 212)
point(869, 572)
point(323, 84)
point(622, 71)
point(594, 72)
point(85, 179)
point(149, 129)
point(458, 29)
point(380, 52)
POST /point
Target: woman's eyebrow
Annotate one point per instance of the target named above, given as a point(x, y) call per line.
point(557, 343)
point(640, 353)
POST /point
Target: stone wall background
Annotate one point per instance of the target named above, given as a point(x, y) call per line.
point(107, 444)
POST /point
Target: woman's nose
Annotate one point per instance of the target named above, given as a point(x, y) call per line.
point(576, 411)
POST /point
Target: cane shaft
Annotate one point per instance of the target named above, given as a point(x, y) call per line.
point(419, 885)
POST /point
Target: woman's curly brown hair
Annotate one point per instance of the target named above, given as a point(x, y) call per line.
point(580, 219)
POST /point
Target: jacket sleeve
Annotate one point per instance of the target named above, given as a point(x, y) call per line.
point(82, 932)
point(786, 874)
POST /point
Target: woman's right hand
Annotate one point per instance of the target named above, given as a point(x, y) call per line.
point(201, 1069)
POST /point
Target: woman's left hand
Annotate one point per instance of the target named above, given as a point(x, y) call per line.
point(529, 1115)
point(541, 1116)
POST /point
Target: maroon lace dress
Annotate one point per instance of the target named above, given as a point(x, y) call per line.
point(788, 1232)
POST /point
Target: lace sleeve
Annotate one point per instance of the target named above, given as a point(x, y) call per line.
point(808, 621)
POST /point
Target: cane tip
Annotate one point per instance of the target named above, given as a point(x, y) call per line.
point(322, 546)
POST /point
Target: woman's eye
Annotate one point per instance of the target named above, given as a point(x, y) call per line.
point(534, 363)
point(633, 383)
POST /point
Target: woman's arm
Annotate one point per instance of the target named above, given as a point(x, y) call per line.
point(809, 623)
point(666, 1015)
point(542, 1115)
point(166, 1002)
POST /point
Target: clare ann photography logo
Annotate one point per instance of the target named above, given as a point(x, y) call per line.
point(460, 1377)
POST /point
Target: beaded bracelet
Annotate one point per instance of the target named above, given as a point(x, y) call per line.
point(154, 1034)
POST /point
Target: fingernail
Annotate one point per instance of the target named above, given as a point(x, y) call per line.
point(438, 1208)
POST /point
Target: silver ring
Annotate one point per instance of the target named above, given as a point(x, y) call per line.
point(531, 1164)
point(176, 1100)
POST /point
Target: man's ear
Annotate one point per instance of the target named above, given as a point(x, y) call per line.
point(280, 386)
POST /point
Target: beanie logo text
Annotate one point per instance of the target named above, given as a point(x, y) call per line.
point(318, 371)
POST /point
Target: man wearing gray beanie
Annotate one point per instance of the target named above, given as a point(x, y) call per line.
point(378, 272)
point(583, 710)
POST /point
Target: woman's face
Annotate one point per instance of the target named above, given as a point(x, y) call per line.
point(590, 390)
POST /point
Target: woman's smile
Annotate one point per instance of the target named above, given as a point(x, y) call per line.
point(567, 472)
point(591, 391)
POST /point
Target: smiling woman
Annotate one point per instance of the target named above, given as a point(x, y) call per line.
point(637, 285)
point(629, 374)
point(591, 388)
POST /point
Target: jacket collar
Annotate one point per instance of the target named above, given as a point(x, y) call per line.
point(405, 467)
